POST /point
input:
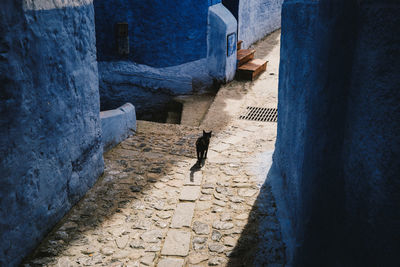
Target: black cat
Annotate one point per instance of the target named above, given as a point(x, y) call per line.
point(202, 147)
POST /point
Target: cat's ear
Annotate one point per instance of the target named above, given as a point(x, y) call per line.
point(204, 132)
point(210, 132)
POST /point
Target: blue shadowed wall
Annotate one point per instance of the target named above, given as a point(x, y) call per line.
point(180, 47)
point(50, 139)
point(222, 39)
point(258, 18)
point(161, 32)
point(336, 165)
point(213, 2)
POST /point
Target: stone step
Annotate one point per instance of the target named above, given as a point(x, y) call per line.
point(245, 55)
point(252, 69)
point(239, 44)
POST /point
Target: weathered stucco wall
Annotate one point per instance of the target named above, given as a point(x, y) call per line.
point(221, 43)
point(149, 89)
point(258, 18)
point(161, 33)
point(336, 164)
point(152, 88)
point(50, 139)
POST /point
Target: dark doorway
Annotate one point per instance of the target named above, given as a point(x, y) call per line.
point(233, 7)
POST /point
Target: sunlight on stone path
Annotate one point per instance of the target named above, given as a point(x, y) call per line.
point(150, 209)
point(146, 211)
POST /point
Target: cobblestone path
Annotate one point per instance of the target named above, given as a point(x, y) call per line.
point(151, 208)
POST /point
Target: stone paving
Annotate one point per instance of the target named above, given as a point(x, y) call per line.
point(152, 207)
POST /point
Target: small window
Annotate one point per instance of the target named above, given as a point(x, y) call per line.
point(122, 29)
point(122, 36)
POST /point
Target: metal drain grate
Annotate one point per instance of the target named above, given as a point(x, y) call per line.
point(260, 114)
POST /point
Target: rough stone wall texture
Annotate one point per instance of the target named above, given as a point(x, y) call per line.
point(50, 139)
point(161, 33)
point(336, 163)
point(257, 18)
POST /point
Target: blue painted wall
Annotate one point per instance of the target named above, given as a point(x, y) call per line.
point(161, 33)
point(149, 89)
point(258, 18)
point(213, 2)
point(170, 52)
point(152, 89)
point(221, 43)
point(336, 165)
point(50, 139)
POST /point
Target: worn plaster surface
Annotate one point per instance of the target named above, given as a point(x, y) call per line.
point(161, 33)
point(50, 132)
point(256, 18)
point(150, 86)
point(152, 208)
point(336, 164)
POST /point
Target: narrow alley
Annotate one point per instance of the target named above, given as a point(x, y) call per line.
point(151, 208)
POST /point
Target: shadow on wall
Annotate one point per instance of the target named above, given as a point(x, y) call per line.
point(335, 172)
point(161, 33)
point(50, 135)
point(151, 89)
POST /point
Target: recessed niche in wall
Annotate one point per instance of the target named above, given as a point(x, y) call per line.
point(231, 44)
point(174, 112)
point(122, 36)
